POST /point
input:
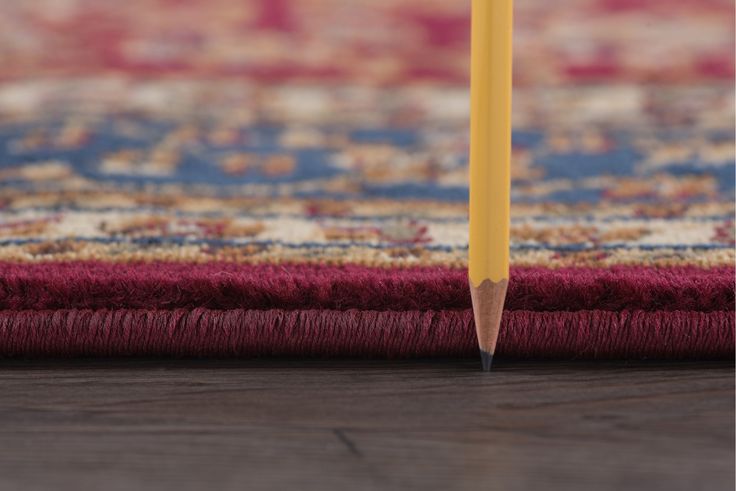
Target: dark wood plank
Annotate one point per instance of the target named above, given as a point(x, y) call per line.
point(365, 425)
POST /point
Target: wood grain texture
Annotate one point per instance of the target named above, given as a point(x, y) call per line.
point(365, 425)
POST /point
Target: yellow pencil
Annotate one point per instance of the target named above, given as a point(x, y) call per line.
point(490, 175)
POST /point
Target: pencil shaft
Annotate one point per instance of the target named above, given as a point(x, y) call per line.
point(490, 140)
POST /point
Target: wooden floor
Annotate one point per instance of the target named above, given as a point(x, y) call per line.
point(287, 425)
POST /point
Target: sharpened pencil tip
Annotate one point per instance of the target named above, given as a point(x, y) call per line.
point(488, 300)
point(486, 360)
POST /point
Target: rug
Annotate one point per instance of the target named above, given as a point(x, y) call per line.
point(275, 177)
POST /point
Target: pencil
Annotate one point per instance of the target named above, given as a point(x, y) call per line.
point(490, 176)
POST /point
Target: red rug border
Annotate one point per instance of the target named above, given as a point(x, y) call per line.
point(228, 286)
point(589, 335)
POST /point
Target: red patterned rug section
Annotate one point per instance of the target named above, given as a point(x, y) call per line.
point(181, 309)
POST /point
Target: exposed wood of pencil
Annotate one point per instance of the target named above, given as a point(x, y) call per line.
point(488, 301)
